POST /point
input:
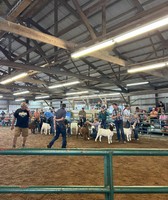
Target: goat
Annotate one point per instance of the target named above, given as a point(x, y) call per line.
point(105, 132)
point(45, 127)
point(33, 125)
point(84, 131)
point(74, 128)
point(128, 132)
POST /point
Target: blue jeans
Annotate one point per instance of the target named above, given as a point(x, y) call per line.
point(103, 123)
point(136, 132)
point(119, 128)
point(59, 129)
point(51, 122)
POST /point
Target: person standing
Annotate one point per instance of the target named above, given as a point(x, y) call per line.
point(60, 127)
point(22, 116)
point(37, 119)
point(126, 117)
point(103, 117)
point(118, 121)
point(82, 117)
point(50, 120)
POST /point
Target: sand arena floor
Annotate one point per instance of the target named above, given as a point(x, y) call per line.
point(84, 170)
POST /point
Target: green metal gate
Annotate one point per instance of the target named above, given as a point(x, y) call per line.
point(108, 189)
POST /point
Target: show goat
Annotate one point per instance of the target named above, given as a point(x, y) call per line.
point(105, 132)
point(128, 132)
point(46, 128)
point(84, 131)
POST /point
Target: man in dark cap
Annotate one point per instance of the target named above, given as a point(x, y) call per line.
point(60, 126)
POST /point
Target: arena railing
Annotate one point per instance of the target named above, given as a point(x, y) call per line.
point(108, 189)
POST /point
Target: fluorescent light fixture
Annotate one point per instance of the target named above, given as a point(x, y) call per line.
point(76, 93)
point(64, 84)
point(19, 93)
point(142, 29)
point(147, 67)
point(14, 78)
point(109, 94)
point(125, 36)
point(93, 48)
point(19, 99)
point(140, 83)
point(93, 96)
point(42, 97)
point(1, 96)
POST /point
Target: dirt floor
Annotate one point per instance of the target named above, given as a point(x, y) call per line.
point(84, 170)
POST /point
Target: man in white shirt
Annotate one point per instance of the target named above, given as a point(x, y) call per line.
point(126, 116)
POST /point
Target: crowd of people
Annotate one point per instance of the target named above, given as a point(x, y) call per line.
point(122, 118)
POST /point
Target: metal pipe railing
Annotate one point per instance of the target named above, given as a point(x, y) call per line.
point(108, 189)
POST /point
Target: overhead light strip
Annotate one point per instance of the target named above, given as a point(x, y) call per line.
point(147, 67)
point(42, 97)
point(125, 36)
point(63, 84)
point(76, 93)
point(134, 84)
point(20, 93)
point(19, 99)
point(14, 78)
point(93, 48)
point(93, 96)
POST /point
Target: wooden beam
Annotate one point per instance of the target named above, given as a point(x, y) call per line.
point(17, 9)
point(84, 19)
point(33, 34)
point(104, 55)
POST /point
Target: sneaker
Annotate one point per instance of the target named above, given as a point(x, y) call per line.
point(137, 139)
point(48, 146)
point(117, 140)
point(125, 142)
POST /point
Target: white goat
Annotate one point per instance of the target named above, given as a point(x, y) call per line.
point(105, 132)
point(74, 128)
point(46, 128)
point(128, 132)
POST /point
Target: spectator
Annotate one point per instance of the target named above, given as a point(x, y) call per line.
point(22, 116)
point(82, 117)
point(161, 107)
point(50, 119)
point(103, 117)
point(95, 124)
point(153, 115)
point(37, 119)
point(60, 127)
point(118, 120)
point(126, 117)
point(163, 119)
point(135, 120)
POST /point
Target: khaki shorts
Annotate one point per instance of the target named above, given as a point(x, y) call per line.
point(19, 131)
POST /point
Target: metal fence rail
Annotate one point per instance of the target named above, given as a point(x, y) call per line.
point(108, 189)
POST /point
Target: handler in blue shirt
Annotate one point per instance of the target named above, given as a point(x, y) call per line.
point(60, 127)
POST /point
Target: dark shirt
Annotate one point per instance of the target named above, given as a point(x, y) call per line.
point(59, 114)
point(103, 115)
point(22, 117)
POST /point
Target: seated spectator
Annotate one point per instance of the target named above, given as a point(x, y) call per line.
point(95, 124)
point(163, 118)
point(153, 115)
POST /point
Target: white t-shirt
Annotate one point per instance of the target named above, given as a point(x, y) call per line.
point(126, 114)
